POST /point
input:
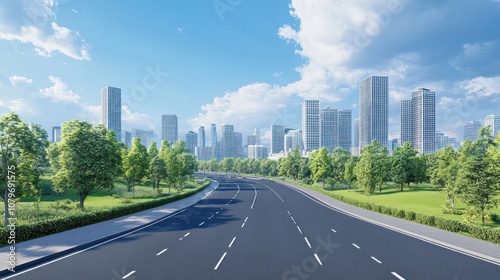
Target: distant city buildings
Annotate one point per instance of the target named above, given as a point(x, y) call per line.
point(227, 140)
point(329, 128)
point(146, 136)
point(201, 137)
point(311, 125)
point(257, 152)
point(277, 139)
point(355, 145)
point(493, 121)
point(169, 128)
point(293, 140)
point(127, 138)
point(191, 141)
point(373, 110)
point(344, 129)
point(471, 128)
point(56, 134)
point(111, 110)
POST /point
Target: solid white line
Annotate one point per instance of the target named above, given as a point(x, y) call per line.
point(255, 197)
point(299, 229)
point(293, 220)
point(308, 244)
point(288, 212)
point(317, 258)
point(231, 244)
point(243, 225)
point(355, 246)
point(334, 230)
point(201, 224)
point(97, 245)
point(246, 219)
point(375, 259)
point(132, 272)
point(161, 252)
point(187, 234)
point(223, 256)
point(397, 275)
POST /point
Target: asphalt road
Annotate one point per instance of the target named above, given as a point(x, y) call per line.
point(252, 229)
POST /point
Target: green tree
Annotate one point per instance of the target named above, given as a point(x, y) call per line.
point(403, 165)
point(339, 159)
point(283, 166)
point(19, 151)
point(89, 159)
point(227, 164)
point(478, 182)
point(444, 174)
point(321, 165)
point(305, 171)
point(293, 164)
point(349, 175)
point(53, 153)
point(188, 167)
point(135, 164)
point(157, 171)
point(213, 165)
point(152, 151)
point(372, 167)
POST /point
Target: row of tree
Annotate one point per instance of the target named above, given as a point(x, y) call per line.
point(472, 172)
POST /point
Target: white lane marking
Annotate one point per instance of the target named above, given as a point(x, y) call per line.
point(185, 235)
point(375, 259)
point(221, 208)
point(288, 212)
point(397, 275)
point(132, 272)
point(210, 217)
point(231, 244)
point(355, 246)
point(243, 225)
point(217, 213)
point(334, 230)
point(246, 219)
point(162, 251)
point(97, 245)
point(223, 256)
point(308, 244)
point(317, 258)
point(254, 198)
point(293, 220)
point(299, 230)
point(227, 204)
point(201, 224)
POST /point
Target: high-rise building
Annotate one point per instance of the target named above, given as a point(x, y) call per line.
point(169, 128)
point(146, 136)
point(277, 139)
point(191, 141)
point(201, 137)
point(238, 144)
point(251, 140)
point(111, 113)
point(257, 152)
point(203, 153)
point(471, 128)
point(441, 141)
point(373, 110)
point(293, 140)
point(329, 128)
point(494, 122)
point(258, 136)
point(227, 140)
point(311, 125)
point(344, 129)
point(127, 138)
point(394, 144)
point(418, 121)
point(356, 133)
point(56, 134)
point(213, 140)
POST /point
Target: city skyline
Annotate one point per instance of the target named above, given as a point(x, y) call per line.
point(169, 66)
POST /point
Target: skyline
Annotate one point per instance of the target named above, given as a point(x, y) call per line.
point(222, 67)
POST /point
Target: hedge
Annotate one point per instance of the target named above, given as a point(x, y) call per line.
point(27, 232)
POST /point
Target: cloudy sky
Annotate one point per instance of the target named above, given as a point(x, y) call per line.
point(247, 63)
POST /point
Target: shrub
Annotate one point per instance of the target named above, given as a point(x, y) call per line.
point(495, 218)
point(410, 215)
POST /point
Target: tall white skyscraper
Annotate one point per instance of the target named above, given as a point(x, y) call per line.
point(311, 125)
point(293, 140)
point(258, 136)
point(201, 137)
point(238, 144)
point(344, 129)
point(373, 110)
point(407, 125)
point(169, 128)
point(356, 133)
point(277, 139)
point(56, 134)
point(329, 128)
point(111, 113)
point(227, 140)
point(494, 123)
point(471, 128)
point(191, 141)
point(127, 138)
point(213, 136)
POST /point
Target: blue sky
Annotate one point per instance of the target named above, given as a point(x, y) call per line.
point(247, 63)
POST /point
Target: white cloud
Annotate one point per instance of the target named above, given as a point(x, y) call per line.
point(19, 106)
point(137, 119)
point(481, 86)
point(20, 81)
point(180, 30)
point(59, 92)
point(34, 22)
point(75, 11)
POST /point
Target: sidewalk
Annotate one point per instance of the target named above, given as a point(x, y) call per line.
point(39, 249)
point(468, 245)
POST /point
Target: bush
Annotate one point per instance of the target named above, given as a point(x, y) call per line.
point(307, 181)
point(410, 215)
point(495, 218)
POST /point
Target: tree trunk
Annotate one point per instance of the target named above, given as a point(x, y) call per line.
point(82, 200)
point(6, 207)
point(380, 189)
point(402, 187)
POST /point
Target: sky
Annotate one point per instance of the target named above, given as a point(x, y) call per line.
point(246, 63)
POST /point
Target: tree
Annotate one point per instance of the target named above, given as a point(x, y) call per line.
point(372, 167)
point(157, 171)
point(478, 182)
point(135, 164)
point(445, 172)
point(173, 167)
point(227, 164)
point(349, 175)
point(213, 165)
point(89, 159)
point(403, 165)
point(188, 167)
point(152, 151)
point(42, 164)
point(283, 166)
point(293, 164)
point(305, 171)
point(18, 149)
point(339, 159)
point(53, 153)
point(321, 165)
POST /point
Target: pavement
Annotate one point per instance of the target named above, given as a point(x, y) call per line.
point(40, 249)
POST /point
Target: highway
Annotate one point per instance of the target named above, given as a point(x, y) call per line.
point(259, 229)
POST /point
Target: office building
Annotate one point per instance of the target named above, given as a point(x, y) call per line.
point(493, 121)
point(127, 138)
point(329, 128)
point(238, 144)
point(227, 141)
point(418, 121)
point(251, 140)
point(257, 152)
point(146, 136)
point(56, 134)
point(169, 128)
point(407, 125)
point(471, 128)
point(373, 110)
point(201, 137)
point(344, 129)
point(258, 136)
point(191, 141)
point(111, 114)
point(293, 140)
point(311, 137)
point(277, 139)
point(203, 153)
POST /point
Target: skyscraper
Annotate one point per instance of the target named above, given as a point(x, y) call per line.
point(329, 128)
point(111, 113)
point(344, 129)
point(471, 128)
point(191, 141)
point(127, 138)
point(424, 111)
point(238, 144)
point(201, 137)
point(227, 141)
point(169, 128)
point(356, 133)
point(257, 134)
point(311, 125)
point(494, 123)
point(56, 134)
point(407, 126)
point(293, 140)
point(146, 136)
point(373, 110)
point(277, 139)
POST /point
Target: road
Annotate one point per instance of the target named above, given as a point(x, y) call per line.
point(258, 229)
